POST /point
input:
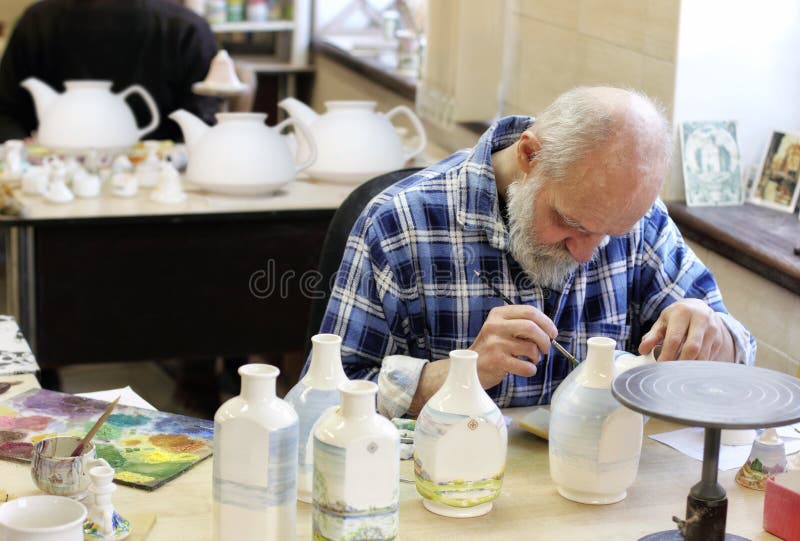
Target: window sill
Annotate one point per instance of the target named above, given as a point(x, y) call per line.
point(760, 239)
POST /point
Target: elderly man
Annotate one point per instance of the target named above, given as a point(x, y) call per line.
point(562, 215)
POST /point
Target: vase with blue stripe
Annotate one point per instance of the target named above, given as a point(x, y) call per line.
point(356, 490)
point(255, 462)
point(594, 441)
point(460, 444)
point(314, 394)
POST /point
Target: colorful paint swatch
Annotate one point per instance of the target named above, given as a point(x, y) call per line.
point(146, 448)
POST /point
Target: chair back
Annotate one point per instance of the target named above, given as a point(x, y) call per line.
point(336, 240)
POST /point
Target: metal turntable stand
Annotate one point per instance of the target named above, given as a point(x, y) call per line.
point(712, 395)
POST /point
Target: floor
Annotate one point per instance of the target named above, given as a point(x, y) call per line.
point(192, 388)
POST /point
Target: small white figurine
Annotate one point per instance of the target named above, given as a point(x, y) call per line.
point(149, 170)
point(85, 184)
point(57, 191)
point(35, 180)
point(124, 185)
point(102, 520)
point(169, 190)
point(14, 162)
point(121, 164)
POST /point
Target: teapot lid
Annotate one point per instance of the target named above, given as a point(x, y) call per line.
point(79, 84)
point(343, 105)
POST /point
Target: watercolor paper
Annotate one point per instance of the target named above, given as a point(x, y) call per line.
point(145, 448)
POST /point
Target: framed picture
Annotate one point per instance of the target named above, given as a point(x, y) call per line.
point(712, 173)
point(777, 183)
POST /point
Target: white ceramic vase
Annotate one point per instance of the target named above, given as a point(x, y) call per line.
point(255, 462)
point(460, 444)
point(356, 469)
point(315, 393)
point(595, 442)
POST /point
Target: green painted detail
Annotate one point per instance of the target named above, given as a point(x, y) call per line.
point(111, 454)
point(159, 470)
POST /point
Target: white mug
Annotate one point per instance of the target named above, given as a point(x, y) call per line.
point(42, 518)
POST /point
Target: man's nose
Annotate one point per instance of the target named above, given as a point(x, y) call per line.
point(582, 247)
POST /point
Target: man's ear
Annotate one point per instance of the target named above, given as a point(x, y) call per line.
point(527, 148)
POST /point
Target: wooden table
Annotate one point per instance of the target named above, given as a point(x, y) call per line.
point(128, 279)
point(528, 508)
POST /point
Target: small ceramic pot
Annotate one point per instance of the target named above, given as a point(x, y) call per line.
point(56, 472)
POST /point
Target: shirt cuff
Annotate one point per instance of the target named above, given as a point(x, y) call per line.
point(397, 383)
point(744, 346)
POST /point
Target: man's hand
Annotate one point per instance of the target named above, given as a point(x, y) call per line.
point(508, 333)
point(511, 332)
point(689, 330)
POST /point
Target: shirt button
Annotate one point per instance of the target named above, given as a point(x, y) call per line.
point(546, 293)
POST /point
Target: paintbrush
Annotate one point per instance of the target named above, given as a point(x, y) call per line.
point(506, 300)
point(86, 439)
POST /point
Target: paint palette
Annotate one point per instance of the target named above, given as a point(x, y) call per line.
point(146, 448)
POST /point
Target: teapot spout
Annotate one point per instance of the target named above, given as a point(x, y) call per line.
point(298, 110)
point(192, 127)
point(43, 95)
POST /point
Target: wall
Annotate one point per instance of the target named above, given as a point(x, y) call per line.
point(738, 61)
point(769, 311)
point(10, 10)
point(558, 45)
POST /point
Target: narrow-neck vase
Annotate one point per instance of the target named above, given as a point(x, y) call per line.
point(255, 462)
point(356, 470)
point(314, 394)
point(594, 441)
point(460, 444)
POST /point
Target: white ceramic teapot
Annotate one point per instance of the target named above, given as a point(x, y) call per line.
point(354, 142)
point(240, 155)
point(87, 115)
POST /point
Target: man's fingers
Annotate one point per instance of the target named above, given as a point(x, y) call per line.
point(520, 368)
point(523, 329)
point(677, 327)
point(653, 338)
point(531, 313)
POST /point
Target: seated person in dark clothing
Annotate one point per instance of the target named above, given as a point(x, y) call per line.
point(158, 44)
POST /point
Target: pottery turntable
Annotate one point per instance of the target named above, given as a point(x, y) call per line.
point(712, 395)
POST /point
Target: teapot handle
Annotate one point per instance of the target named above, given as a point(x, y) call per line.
point(423, 139)
point(151, 104)
point(312, 147)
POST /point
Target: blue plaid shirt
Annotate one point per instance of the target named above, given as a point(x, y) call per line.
point(406, 292)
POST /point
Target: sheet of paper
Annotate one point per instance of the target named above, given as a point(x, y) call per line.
point(689, 441)
point(129, 397)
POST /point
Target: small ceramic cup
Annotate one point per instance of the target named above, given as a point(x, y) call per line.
point(42, 518)
point(55, 472)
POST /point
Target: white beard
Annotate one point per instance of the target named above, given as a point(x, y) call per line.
point(548, 265)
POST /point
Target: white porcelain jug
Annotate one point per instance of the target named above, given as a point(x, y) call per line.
point(88, 115)
point(460, 416)
point(240, 155)
point(595, 442)
point(311, 397)
point(354, 142)
point(356, 492)
point(255, 462)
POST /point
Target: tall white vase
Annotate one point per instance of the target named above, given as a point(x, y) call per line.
point(595, 442)
point(315, 393)
point(255, 462)
point(460, 444)
point(356, 470)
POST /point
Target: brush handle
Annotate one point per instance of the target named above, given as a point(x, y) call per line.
point(86, 439)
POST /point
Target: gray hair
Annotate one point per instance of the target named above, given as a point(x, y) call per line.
point(578, 122)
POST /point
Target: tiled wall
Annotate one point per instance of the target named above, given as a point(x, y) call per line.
point(561, 44)
point(769, 311)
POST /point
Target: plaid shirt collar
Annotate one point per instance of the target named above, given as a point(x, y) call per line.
point(477, 202)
